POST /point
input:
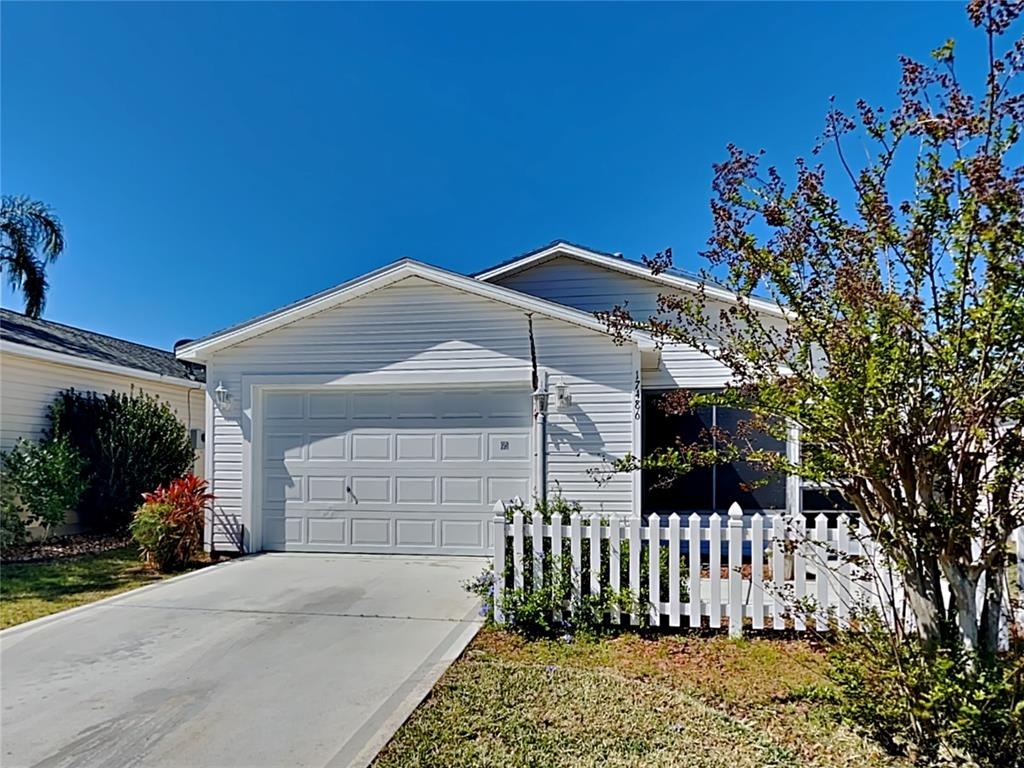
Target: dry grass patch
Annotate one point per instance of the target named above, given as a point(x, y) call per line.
point(629, 701)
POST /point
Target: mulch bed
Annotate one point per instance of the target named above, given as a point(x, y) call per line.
point(60, 547)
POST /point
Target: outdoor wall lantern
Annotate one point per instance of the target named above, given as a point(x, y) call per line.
point(562, 397)
point(540, 401)
point(222, 395)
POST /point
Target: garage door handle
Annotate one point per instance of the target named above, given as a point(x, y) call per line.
point(348, 490)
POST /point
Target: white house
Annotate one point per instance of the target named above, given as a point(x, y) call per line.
point(390, 413)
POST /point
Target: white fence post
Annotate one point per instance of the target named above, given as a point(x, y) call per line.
point(595, 555)
point(537, 540)
point(517, 548)
point(576, 552)
point(673, 570)
point(799, 527)
point(634, 565)
point(693, 568)
point(757, 571)
point(779, 560)
point(654, 561)
point(614, 568)
point(715, 571)
point(822, 572)
point(735, 570)
point(556, 560)
point(844, 593)
point(498, 528)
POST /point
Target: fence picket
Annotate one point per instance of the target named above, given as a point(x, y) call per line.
point(799, 573)
point(778, 571)
point(517, 550)
point(614, 568)
point(715, 570)
point(576, 551)
point(498, 527)
point(537, 540)
point(654, 561)
point(757, 571)
point(693, 568)
point(595, 555)
point(735, 566)
point(673, 570)
point(821, 572)
point(556, 557)
point(634, 565)
point(843, 592)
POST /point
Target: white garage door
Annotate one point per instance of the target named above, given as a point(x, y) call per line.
point(401, 471)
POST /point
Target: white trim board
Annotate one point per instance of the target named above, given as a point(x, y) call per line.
point(202, 349)
point(61, 358)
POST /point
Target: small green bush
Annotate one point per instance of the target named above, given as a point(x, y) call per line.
point(550, 609)
point(940, 707)
point(131, 443)
point(151, 529)
point(47, 478)
point(12, 525)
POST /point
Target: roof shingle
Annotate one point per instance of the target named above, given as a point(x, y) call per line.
point(16, 328)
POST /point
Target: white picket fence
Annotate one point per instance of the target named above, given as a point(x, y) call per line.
point(778, 573)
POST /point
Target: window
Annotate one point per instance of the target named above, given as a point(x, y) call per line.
point(705, 489)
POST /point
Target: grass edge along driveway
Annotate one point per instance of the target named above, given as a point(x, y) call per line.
point(35, 589)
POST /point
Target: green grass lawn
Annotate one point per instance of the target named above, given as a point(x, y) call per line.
point(31, 590)
point(628, 701)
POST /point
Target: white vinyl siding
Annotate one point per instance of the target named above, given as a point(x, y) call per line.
point(593, 288)
point(28, 386)
point(417, 326)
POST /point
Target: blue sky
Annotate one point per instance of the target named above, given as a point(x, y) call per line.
point(214, 161)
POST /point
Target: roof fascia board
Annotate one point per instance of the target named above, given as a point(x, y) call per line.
point(62, 358)
point(380, 279)
point(629, 268)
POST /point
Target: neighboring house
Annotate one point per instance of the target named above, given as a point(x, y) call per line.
point(39, 358)
point(390, 413)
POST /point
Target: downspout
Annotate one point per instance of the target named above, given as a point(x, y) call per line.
point(540, 420)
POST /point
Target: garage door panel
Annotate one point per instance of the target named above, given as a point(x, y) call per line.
point(371, 405)
point(326, 488)
point(508, 447)
point(462, 490)
point(371, 447)
point(462, 447)
point(329, 405)
point(284, 446)
point(371, 490)
point(467, 534)
point(327, 447)
point(371, 532)
point(284, 405)
point(416, 490)
point(416, 533)
point(415, 447)
point(327, 530)
point(505, 488)
point(424, 469)
point(281, 488)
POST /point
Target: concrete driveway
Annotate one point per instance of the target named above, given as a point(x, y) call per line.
point(276, 660)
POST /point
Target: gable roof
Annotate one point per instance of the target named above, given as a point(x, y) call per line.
point(616, 262)
point(380, 278)
point(47, 336)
